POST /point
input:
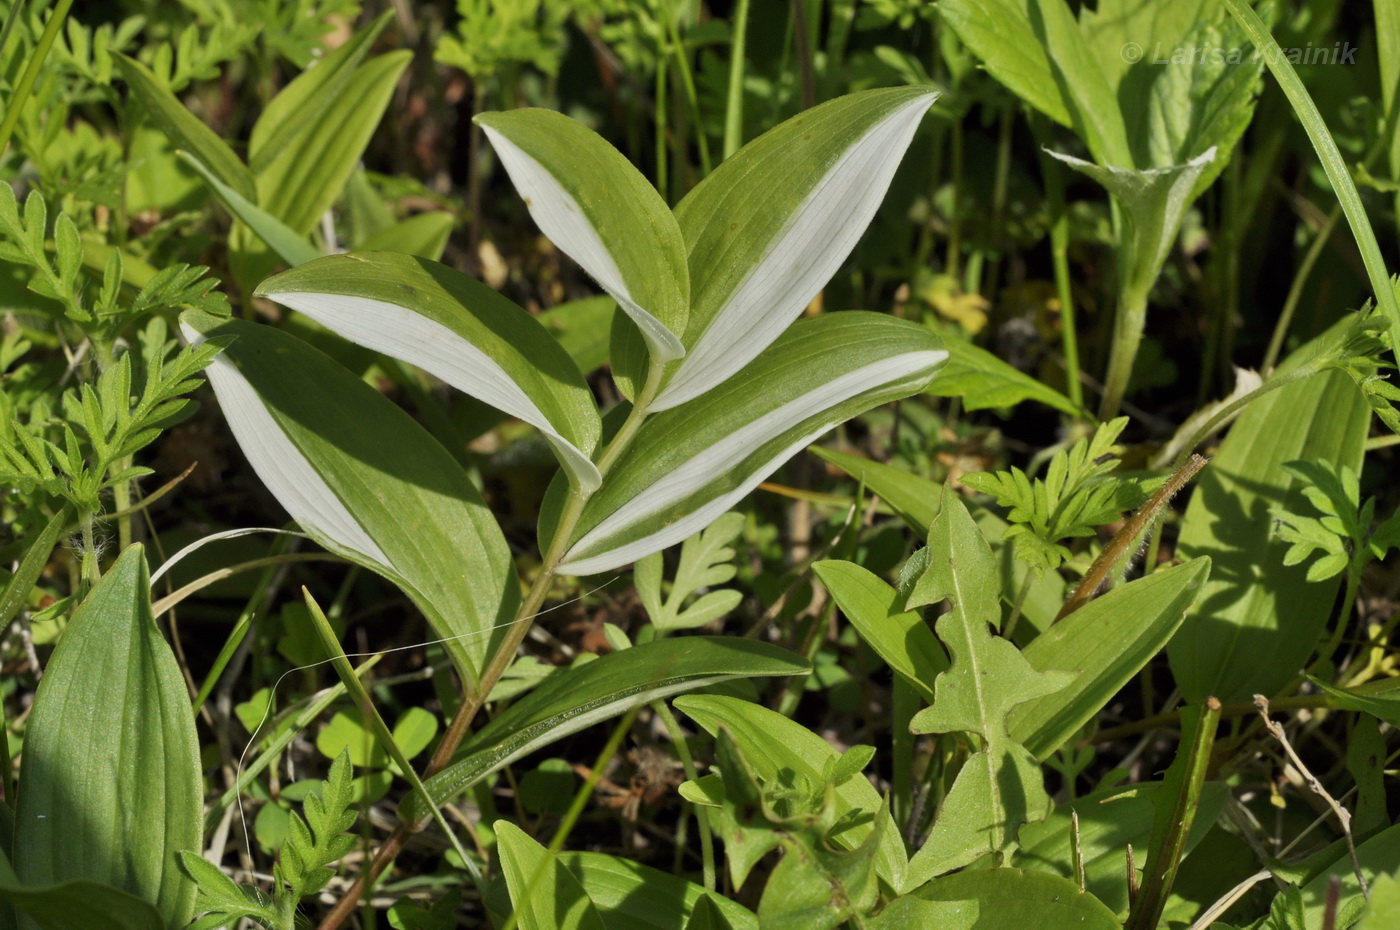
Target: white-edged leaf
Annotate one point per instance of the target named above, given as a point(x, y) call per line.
point(365, 481)
point(769, 227)
point(456, 329)
point(600, 211)
point(689, 465)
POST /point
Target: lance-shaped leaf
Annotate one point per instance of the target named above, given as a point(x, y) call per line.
point(600, 211)
point(688, 466)
point(769, 227)
point(999, 787)
point(111, 784)
point(365, 481)
point(457, 329)
point(578, 697)
point(544, 895)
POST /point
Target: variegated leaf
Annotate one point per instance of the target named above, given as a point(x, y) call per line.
point(457, 329)
point(365, 481)
point(600, 211)
point(688, 466)
point(769, 227)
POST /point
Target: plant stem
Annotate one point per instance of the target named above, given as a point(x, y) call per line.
point(688, 84)
point(1127, 336)
point(702, 815)
point(1010, 626)
point(734, 104)
point(1307, 113)
point(15, 105)
point(1295, 290)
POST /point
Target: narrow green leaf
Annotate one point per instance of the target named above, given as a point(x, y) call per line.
point(111, 787)
point(997, 899)
point(184, 130)
point(1104, 644)
point(457, 329)
point(1379, 698)
point(769, 227)
point(632, 896)
point(366, 481)
point(1258, 620)
point(598, 209)
point(601, 689)
point(36, 556)
point(688, 466)
point(772, 744)
point(900, 637)
point(291, 246)
point(546, 896)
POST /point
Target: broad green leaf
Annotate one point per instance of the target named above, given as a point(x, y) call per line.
point(707, 915)
point(814, 887)
point(184, 129)
point(545, 895)
point(365, 481)
point(111, 785)
point(982, 380)
point(1258, 620)
point(773, 743)
point(689, 465)
point(1109, 820)
point(580, 696)
point(1036, 49)
point(73, 904)
point(900, 637)
point(1383, 910)
point(1000, 786)
point(424, 235)
point(1104, 644)
point(582, 328)
point(457, 329)
point(1379, 855)
point(769, 227)
point(996, 899)
point(600, 211)
point(297, 106)
point(291, 246)
point(916, 500)
point(632, 896)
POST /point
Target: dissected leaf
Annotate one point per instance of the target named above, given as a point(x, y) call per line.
point(706, 561)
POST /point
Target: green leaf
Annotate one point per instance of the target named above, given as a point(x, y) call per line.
point(290, 245)
point(817, 888)
point(1383, 910)
point(582, 328)
point(317, 841)
point(111, 786)
point(72, 904)
point(1379, 855)
point(900, 637)
point(1036, 49)
point(706, 561)
point(36, 555)
point(366, 481)
point(184, 130)
point(1109, 820)
point(1258, 620)
point(1380, 698)
point(424, 235)
point(632, 896)
point(774, 744)
point(598, 209)
point(999, 899)
point(982, 380)
point(457, 329)
point(584, 694)
point(1000, 786)
point(1104, 644)
point(769, 227)
point(689, 465)
point(546, 895)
